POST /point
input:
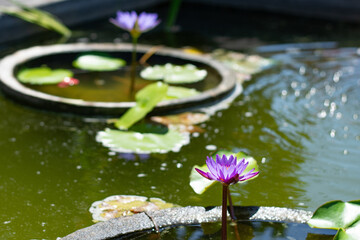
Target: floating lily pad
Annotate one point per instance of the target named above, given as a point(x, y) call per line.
point(146, 100)
point(43, 75)
point(343, 216)
point(125, 205)
point(180, 92)
point(174, 73)
point(200, 184)
point(135, 142)
point(244, 65)
point(94, 62)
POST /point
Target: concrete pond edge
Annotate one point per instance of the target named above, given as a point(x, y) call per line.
point(12, 87)
point(182, 216)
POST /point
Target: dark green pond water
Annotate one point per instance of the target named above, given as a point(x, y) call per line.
point(299, 120)
point(246, 231)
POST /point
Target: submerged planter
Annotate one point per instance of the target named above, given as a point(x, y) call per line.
point(142, 224)
point(217, 86)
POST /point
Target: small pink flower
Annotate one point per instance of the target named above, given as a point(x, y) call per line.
point(68, 81)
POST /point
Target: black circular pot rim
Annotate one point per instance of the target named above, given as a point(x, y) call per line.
point(184, 216)
point(14, 88)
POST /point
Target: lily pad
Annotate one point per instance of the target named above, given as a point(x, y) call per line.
point(200, 184)
point(336, 214)
point(135, 142)
point(180, 92)
point(174, 74)
point(244, 65)
point(125, 205)
point(94, 62)
point(343, 216)
point(43, 75)
point(146, 100)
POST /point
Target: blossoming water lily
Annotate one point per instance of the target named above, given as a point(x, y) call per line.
point(227, 170)
point(135, 24)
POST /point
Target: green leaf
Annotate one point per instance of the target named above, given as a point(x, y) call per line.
point(43, 75)
point(336, 214)
point(135, 142)
point(180, 92)
point(242, 63)
point(174, 73)
point(146, 100)
point(38, 17)
point(98, 63)
point(200, 184)
point(351, 233)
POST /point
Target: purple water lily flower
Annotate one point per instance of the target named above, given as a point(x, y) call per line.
point(227, 170)
point(132, 22)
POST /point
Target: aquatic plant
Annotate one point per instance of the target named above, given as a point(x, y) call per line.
point(136, 25)
point(341, 216)
point(227, 171)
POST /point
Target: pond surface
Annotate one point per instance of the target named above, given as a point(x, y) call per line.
point(299, 120)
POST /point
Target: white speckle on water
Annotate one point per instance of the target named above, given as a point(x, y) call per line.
point(263, 160)
point(196, 134)
point(7, 222)
point(284, 93)
point(38, 172)
point(355, 116)
point(327, 102)
point(322, 114)
point(111, 153)
point(343, 98)
point(78, 167)
point(332, 133)
point(210, 147)
point(338, 115)
point(301, 204)
point(136, 164)
point(179, 165)
point(153, 187)
point(290, 197)
point(346, 152)
point(164, 164)
point(141, 175)
point(302, 70)
point(248, 114)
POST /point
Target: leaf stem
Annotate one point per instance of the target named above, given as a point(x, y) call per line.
point(224, 212)
point(133, 66)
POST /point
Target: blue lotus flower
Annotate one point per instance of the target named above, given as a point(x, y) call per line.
point(134, 23)
point(227, 170)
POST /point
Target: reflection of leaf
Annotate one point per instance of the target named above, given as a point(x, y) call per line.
point(98, 63)
point(121, 141)
point(124, 205)
point(43, 75)
point(180, 92)
point(344, 216)
point(174, 73)
point(38, 17)
point(146, 100)
point(200, 184)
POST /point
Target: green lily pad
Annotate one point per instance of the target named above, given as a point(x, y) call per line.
point(180, 92)
point(174, 74)
point(242, 63)
point(43, 75)
point(336, 214)
point(351, 233)
point(135, 142)
point(125, 205)
point(200, 184)
point(94, 62)
point(146, 100)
